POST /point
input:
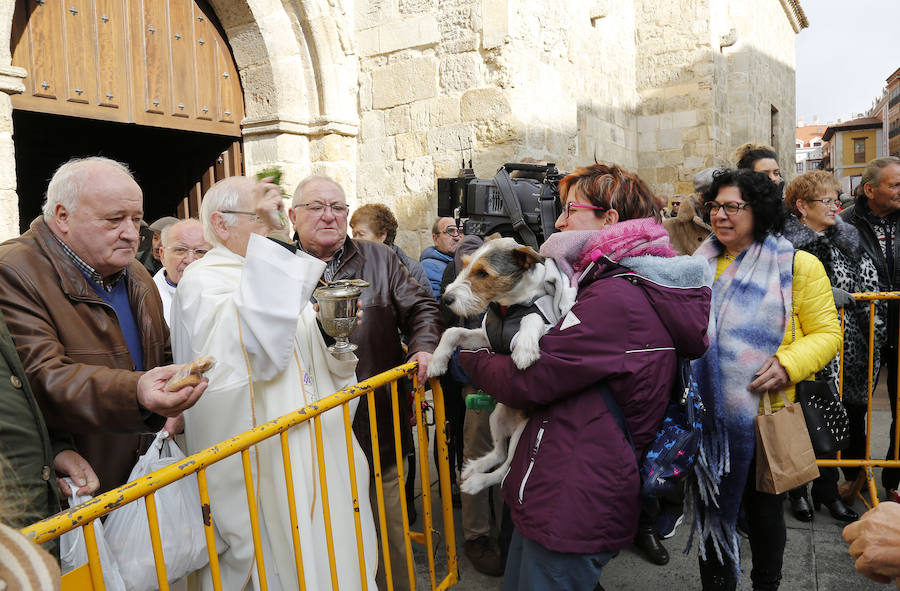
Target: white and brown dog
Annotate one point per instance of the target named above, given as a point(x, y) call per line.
point(502, 274)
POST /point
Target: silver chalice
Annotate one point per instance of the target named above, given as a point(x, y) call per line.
point(337, 311)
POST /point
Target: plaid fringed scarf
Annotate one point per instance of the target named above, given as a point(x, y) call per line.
point(751, 301)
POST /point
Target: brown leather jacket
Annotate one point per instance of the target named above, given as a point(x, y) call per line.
point(74, 352)
point(394, 303)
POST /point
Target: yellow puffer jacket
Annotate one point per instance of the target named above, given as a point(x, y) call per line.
point(816, 336)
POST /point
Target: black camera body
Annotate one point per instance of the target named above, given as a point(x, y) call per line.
point(523, 205)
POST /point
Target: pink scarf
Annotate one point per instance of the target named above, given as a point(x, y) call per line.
point(574, 250)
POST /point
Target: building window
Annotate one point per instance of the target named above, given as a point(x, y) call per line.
point(800, 167)
point(859, 150)
point(816, 144)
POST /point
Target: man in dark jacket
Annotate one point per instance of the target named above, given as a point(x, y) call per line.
point(86, 318)
point(394, 303)
point(876, 214)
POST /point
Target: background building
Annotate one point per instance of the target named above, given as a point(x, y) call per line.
point(849, 146)
point(383, 94)
point(809, 144)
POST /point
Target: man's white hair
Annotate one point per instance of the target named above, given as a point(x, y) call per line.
point(68, 181)
point(316, 178)
point(164, 235)
point(224, 195)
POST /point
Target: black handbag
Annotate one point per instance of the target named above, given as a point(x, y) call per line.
point(826, 417)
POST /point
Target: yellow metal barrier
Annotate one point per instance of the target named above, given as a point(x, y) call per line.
point(90, 576)
point(867, 477)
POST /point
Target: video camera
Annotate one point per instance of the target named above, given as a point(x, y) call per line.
point(523, 206)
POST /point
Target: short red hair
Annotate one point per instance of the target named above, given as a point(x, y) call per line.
point(611, 187)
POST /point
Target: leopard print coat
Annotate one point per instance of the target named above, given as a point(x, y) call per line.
point(851, 269)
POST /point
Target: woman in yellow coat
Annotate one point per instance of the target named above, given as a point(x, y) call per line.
point(772, 324)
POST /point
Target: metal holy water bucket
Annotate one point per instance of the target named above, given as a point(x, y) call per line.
point(337, 311)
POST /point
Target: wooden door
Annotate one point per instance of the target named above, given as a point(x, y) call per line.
point(162, 63)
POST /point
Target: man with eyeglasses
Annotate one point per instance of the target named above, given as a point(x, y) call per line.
point(247, 303)
point(434, 259)
point(393, 304)
point(181, 244)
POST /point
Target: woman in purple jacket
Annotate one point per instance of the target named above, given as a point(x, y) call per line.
point(573, 485)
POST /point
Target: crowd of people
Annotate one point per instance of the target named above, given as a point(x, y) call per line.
point(744, 277)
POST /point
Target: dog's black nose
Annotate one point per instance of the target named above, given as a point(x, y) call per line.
point(448, 299)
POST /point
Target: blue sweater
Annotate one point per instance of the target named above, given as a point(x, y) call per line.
point(118, 300)
point(434, 262)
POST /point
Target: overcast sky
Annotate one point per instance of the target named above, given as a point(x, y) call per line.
point(844, 56)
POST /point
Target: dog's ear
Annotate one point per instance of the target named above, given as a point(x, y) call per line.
point(493, 236)
point(526, 257)
point(466, 259)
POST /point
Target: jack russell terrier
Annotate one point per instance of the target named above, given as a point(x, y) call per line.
point(523, 295)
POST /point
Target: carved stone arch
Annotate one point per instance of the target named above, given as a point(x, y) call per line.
point(300, 74)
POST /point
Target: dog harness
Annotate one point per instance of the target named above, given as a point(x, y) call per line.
point(501, 323)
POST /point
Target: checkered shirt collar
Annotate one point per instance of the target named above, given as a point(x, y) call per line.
point(106, 283)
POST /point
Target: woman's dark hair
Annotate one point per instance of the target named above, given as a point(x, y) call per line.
point(756, 189)
point(748, 154)
point(611, 187)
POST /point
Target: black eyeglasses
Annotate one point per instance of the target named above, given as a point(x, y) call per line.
point(711, 208)
point(451, 231)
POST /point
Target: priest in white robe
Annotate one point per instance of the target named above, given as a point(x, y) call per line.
point(247, 303)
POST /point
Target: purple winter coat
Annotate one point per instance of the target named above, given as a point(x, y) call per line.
point(573, 484)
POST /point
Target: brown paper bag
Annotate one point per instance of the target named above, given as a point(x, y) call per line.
point(784, 454)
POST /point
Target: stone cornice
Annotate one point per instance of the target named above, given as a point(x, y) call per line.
point(320, 126)
point(11, 79)
point(795, 14)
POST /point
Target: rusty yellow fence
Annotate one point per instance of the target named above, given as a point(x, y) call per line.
point(867, 477)
point(89, 576)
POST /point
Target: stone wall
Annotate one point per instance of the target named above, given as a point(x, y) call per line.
point(761, 67)
point(709, 74)
point(508, 79)
point(383, 94)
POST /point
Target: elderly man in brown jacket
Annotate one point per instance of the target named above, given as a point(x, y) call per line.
point(87, 320)
point(393, 304)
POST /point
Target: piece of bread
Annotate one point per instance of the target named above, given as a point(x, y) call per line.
point(190, 374)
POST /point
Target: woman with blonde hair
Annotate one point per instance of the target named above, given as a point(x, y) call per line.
point(813, 200)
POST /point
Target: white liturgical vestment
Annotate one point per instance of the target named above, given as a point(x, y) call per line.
point(253, 315)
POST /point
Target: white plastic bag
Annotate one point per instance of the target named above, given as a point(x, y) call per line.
point(73, 549)
point(180, 524)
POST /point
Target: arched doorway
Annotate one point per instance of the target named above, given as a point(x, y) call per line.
point(149, 82)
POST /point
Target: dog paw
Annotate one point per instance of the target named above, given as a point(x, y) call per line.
point(524, 357)
point(437, 366)
point(474, 484)
point(468, 469)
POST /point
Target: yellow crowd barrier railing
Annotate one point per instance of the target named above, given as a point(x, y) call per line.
point(866, 476)
point(89, 576)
